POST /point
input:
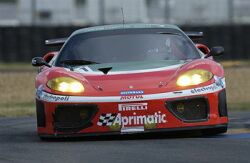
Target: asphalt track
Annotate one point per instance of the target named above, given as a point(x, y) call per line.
point(19, 143)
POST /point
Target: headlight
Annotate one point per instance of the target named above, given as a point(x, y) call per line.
point(194, 77)
point(65, 84)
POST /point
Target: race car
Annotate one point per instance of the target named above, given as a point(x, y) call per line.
point(127, 79)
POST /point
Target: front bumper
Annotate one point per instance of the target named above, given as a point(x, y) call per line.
point(129, 116)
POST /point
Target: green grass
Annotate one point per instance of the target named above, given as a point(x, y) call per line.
point(17, 109)
point(17, 93)
point(239, 106)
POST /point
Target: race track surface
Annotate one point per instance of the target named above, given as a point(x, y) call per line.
point(19, 143)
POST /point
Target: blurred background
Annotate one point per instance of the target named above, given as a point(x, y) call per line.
point(25, 24)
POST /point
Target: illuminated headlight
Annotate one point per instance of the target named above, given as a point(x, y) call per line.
point(65, 84)
point(194, 77)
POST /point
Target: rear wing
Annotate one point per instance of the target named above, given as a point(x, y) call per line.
point(61, 41)
point(55, 42)
point(194, 35)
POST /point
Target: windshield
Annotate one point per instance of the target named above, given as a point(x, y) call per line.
point(128, 48)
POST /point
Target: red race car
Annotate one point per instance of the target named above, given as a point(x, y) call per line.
point(131, 78)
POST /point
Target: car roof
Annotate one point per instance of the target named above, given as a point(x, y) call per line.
point(125, 26)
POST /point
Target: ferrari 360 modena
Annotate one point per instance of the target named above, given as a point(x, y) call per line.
point(127, 79)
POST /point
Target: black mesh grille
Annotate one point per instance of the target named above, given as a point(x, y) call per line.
point(189, 110)
point(40, 114)
point(222, 104)
point(72, 118)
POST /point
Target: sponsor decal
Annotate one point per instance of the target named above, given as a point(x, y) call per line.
point(202, 89)
point(106, 119)
point(218, 84)
point(135, 92)
point(110, 119)
point(55, 98)
point(132, 97)
point(132, 106)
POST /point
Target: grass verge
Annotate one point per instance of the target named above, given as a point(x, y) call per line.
point(239, 106)
point(17, 109)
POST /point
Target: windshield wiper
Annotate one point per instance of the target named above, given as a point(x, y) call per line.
point(78, 62)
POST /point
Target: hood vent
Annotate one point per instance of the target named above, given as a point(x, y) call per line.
point(105, 70)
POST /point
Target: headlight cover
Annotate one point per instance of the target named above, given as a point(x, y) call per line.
point(194, 77)
point(65, 84)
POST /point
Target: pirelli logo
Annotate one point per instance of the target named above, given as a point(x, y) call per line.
point(132, 106)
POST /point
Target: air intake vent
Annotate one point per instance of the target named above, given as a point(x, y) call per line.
point(222, 104)
point(73, 118)
point(40, 114)
point(189, 110)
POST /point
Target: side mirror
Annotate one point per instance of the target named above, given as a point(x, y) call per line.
point(215, 51)
point(39, 61)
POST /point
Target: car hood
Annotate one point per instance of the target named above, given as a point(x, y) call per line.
point(128, 67)
point(149, 77)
